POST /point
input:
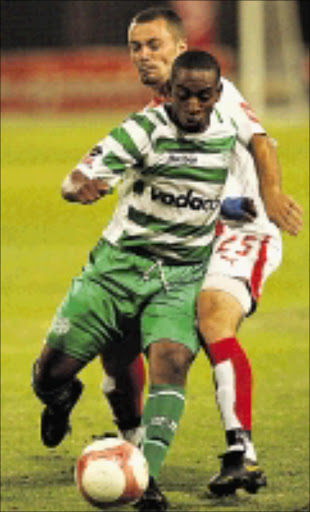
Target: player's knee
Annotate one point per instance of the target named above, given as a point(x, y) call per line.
point(179, 361)
point(169, 363)
point(50, 392)
point(41, 381)
point(39, 378)
point(53, 369)
point(219, 315)
point(38, 382)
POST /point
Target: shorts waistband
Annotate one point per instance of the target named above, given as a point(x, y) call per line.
point(164, 259)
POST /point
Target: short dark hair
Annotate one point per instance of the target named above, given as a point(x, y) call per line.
point(154, 13)
point(196, 59)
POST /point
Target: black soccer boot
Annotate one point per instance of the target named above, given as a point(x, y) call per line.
point(105, 435)
point(237, 472)
point(55, 422)
point(152, 499)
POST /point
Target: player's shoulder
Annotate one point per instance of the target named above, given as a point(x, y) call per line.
point(155, 116)
point(232, 101)
point(222, 124)
point(149, 120)
point(229, 90)
point(156, 113)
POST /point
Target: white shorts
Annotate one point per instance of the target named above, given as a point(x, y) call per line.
point(240, 263)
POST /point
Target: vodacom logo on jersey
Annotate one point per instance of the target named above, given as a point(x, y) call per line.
point(187, 200)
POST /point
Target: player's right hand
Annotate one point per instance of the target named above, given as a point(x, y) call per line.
point(284, 212)
point(79, 188)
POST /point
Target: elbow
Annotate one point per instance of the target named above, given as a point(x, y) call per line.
point(67, 189)
point(263, 144)
point(63, 191)
point(65, 195)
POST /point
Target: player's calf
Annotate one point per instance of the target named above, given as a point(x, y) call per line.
point(126, 414)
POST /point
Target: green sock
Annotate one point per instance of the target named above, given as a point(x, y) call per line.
point(161, 416)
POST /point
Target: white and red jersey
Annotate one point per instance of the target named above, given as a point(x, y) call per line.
point(233, 103)
point(244, 181)
point(248, 251)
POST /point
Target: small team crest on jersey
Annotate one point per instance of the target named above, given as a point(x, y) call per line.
point(87, 160)
point(61, 325)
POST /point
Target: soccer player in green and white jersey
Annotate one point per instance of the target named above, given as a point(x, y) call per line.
point(146, 270)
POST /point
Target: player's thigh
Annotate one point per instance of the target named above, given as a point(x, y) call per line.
point(100, 307)
point(84, 322)
point(240, 263)
point(171, 314)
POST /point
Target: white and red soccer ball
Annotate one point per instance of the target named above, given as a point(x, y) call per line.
point(111, 471)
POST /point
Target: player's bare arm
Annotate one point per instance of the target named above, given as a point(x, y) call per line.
point(77, 187)
point(282, 209)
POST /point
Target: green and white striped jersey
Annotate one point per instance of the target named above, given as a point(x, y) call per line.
point(172, 183)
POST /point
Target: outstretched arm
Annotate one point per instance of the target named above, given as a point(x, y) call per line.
point(282, 209)
point(77, 187)
point(102, 168)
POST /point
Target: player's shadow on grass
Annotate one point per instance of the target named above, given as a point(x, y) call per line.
point(46, 470)
point(43, 478)
point(194, 481)
point(179, 478)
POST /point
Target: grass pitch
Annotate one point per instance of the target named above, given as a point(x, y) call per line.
point(45, 241)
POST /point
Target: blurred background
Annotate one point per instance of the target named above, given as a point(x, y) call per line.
point(71, 56)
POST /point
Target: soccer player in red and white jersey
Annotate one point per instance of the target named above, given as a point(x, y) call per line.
point(245, 254)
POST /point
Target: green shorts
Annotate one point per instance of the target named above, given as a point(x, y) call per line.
point(122, 302)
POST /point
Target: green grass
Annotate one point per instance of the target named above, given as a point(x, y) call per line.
point(45, 241)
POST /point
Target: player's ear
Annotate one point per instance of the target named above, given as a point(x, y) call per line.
point(219, 89)
point(183, 46)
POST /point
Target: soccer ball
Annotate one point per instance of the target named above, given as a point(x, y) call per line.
point(111, 471)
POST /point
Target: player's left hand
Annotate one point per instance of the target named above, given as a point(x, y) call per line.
point(284, 211)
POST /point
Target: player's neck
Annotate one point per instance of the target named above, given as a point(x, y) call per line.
point(162, 91)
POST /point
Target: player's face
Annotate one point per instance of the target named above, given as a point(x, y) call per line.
point(153, 48)
point(194, 93)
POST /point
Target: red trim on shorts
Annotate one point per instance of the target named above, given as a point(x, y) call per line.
point(257, 273)
point(230, 349)
point(219, 228)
